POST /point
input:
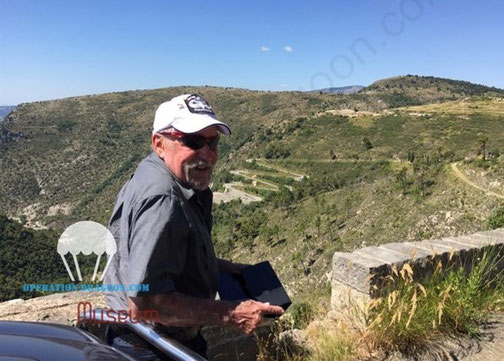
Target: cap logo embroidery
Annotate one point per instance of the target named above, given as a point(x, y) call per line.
point(198, 105)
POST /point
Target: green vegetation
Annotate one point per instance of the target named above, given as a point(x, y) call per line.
point(333, 342)
point(412, 90)
point(450, 300)
point(30, 256)
point(496, 219)
point(412, 313)
point(334, 182)
point(27, 257)
point(302, 314)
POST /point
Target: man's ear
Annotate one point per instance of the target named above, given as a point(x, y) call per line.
point(158, 144)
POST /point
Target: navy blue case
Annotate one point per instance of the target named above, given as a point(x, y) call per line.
point(258, 282)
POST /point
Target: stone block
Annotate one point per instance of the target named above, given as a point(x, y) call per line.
point(491, 238)
point(455, 244)
point(407, 249)
point(499, 232)
point(436, 246)
point(347, 302)
point(382, 254)
point(474, 240)
point(356, 270)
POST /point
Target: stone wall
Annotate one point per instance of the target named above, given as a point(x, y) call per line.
point(356, 276)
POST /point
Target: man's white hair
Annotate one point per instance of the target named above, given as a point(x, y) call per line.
point(167, 130)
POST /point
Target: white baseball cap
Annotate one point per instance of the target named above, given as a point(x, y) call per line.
point(187, 113)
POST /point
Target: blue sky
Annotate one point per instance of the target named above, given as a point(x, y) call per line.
point(59, 48)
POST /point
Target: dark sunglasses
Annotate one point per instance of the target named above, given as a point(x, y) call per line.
point(195, 141)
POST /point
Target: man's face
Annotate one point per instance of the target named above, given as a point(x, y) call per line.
point(193, 167)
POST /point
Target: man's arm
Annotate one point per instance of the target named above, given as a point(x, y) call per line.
point(176, 309)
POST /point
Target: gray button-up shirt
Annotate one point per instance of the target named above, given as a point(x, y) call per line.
point(162, 231)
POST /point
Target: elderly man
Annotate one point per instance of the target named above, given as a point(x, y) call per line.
point(162, 225)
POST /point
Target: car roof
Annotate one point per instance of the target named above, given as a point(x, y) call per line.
point(52, 342)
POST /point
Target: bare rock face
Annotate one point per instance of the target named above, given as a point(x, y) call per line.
point(58, 308)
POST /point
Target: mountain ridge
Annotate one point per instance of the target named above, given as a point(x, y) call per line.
point(349, 89)
point(377, 168)
point(5, 110)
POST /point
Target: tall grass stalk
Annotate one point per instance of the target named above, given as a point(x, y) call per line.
point(332, 342)
point(455, 298)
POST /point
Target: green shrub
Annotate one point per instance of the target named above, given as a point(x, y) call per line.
point(302, 314)
point(66, 125)
point(496, 219)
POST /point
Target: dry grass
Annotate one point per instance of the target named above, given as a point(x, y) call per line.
point(333, 341)
point(454, 299)
point(488, 106)
point(413, 312)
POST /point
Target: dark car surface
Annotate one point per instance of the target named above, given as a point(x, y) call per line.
point(23, 341)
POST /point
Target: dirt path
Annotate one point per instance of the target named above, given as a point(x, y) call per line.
point(291, 174)
point(241, 173)
point(231, 193)
point(317, 160)
point(463, 177)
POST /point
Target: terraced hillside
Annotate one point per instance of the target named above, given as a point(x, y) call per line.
point(333, 172)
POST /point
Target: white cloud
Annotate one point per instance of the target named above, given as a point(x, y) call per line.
point(264, 48)
point(288, 48)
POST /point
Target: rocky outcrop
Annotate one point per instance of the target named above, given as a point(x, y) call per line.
point(58, 308)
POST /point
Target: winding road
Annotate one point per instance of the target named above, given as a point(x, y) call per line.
point(466, 180)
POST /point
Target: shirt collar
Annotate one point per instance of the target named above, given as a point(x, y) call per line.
point(186, 191)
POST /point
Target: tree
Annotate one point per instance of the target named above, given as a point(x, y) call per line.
point(367, 143)
point(318, 223)
point(483, 143)
point(348, 205)
point(403, 180)
point(411, 157)
point(275, 230)
point(283, 198)
point(424, 170)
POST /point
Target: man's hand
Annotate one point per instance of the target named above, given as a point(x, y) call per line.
point(176, 309)
point(247, 315)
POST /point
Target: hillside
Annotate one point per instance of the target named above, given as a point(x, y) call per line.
point(351, 89)
point(335, 172)
point(415, 90)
